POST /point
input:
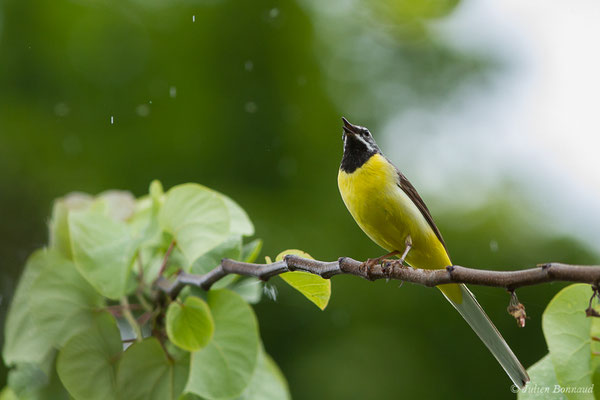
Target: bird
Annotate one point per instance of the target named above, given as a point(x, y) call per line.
point(390, 211)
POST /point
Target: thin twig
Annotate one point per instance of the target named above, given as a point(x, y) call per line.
point(166, 259)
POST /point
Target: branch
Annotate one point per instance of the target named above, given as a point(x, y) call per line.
point(393, 269)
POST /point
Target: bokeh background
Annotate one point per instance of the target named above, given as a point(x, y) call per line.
point(490, 108)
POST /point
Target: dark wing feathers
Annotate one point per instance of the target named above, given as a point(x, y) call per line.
point(412, 193)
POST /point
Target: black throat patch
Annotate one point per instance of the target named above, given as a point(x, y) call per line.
point(356, 153)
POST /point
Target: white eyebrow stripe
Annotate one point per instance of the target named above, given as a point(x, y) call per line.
point(369, 146)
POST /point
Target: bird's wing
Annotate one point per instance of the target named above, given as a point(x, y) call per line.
point(412, 193)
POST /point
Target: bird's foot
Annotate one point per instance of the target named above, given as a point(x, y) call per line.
point(387, 267)
point(368, 265)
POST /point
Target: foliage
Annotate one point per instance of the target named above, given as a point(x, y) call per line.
point(83, 299)
point(570, 369)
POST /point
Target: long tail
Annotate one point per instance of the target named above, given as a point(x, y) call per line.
point(472, 312)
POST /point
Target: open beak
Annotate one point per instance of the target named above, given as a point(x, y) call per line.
point(349, 128)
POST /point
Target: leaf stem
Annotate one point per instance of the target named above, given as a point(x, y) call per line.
point(130, 319)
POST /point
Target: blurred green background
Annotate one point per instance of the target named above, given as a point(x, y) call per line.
point(246, 97)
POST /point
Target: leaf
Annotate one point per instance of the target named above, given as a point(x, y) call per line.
point(249, 288)
point(59, 224)
point(35, 382)
point(225, 366)
point(102, 250)
point(156, 190)
point(543, 382)
point(145, 373)
point(313, 287)
point(62, 302)
point(197, 217)
point(251, 250)
point(190, 325)
point(86, 364)
point(144, 224)
point(240, 222)
point(26, 378)
point(119, 204)
point(24, 342)
point(267, 383)
point(8, 394)
point(568, 334)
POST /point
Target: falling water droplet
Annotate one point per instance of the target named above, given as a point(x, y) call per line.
point(270, 292)
point(61, 109)
point(112, 120)
point(173, 92)
point(493, 246)
point(273, 12)
point(251, 107)
point(143, 110)
point(193, 18)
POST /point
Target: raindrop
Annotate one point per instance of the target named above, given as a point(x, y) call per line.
point(270, 292)
point(193, 18)
point(249, 65)
point(143, 110)
point(173, 92)
point(493, 246)
point(61, 109)
point(150, 102)
point(273, 12)
point(251, 107)
point(112, 120)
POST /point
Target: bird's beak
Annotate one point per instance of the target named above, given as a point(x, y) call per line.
point(349, 128)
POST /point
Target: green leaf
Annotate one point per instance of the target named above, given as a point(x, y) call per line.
point(543, 382)
point(35, 382)
point(24, 342)
point(145, 373)
point(251, 250)
point(568, 334)
point(62, 302)
point(313, 287)
point(8, 394)
point(223, 368)
point(144, 223)
point(240, 223)
point(102, 250)
point(156, 190)
point(59, 224)
point(268, 383)
point(119, 205)
point(249, 288)
point(26, 378)
point(86, 364)
point(197, 217)
point(190, 325)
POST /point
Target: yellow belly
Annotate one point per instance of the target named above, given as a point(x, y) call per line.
point(388, 216)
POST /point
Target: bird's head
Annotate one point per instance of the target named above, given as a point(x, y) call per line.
point(359, 145)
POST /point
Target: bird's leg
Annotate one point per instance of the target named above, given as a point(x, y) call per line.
point(371, 262)
point(408, 243)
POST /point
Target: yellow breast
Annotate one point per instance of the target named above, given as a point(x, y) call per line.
point(387, 215)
